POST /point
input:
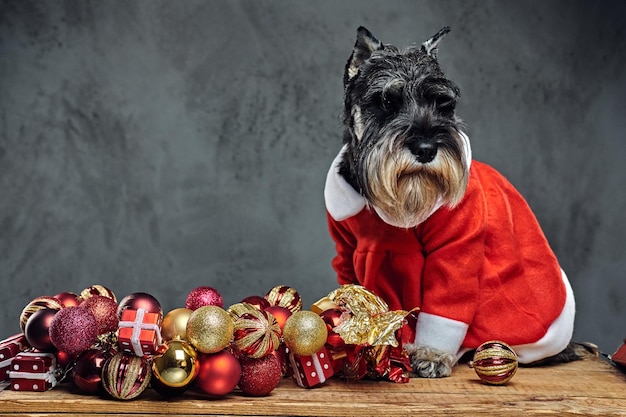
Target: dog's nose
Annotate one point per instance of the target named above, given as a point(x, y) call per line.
point(424, 151)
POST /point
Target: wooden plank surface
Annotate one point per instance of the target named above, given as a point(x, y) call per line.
point(588, 388)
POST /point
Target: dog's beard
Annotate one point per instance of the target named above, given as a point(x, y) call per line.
point(405, 192)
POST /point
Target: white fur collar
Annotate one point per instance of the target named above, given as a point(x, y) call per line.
point(343, 201)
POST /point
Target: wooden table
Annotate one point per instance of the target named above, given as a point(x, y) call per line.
point(590, 387)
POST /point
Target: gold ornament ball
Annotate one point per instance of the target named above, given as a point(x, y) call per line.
point(305, 333)
point(210, 329)
point(494, 362)
point(125, 376)
point(174, 367)
point(284, 296)
point(174, 324)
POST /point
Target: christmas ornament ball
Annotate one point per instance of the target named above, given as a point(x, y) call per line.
point(281, 314)
point(37, 329)
point(97, 290)
point(284, 296)
point(305, 333)
point(257, 301)
point(104, 310)
point(174, 367)
point(68, 299)
point(209, 329)
point(219, 373)
point(38, 304)
point(494, 362)
point(256, 333)
point(333, 318)
point(73, 330)
point(259, 376)
point(203, 296)
point(138, 300)
point(64, 359)
point(174, 324)
point(125, 376)
point(87, 371)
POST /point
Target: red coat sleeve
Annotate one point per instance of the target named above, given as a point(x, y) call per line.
point(345, 244)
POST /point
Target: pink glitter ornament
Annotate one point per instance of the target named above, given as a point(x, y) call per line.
point(104, 310)
point(203, 296)
point(73, 330)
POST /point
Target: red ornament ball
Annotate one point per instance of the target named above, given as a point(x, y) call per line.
point(260, 376)
point(284, 296)
point(64, 359)
point(257, 301)
point(333, 318)
point(37, 304)
point(219, 373)
point(125, 376)
point(138, 300)
point(494, 362)
point(203, 296)
point(87, 372)
point(37, 328)
point(104, 310)
point(68, 299)
point(73, 330)
point(281, 314)
point(97, 290)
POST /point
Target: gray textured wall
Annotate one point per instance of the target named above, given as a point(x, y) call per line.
point(157, 145)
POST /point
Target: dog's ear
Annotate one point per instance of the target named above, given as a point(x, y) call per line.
point(366, 43)
point(430, 47)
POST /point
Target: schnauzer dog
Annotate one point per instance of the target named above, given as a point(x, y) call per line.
point(421, 224)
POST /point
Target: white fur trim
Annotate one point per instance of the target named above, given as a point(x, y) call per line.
point(342, 201)
point(559, 333)
point(439, 332)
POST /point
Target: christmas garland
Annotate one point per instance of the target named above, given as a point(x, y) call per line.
point(121, 349)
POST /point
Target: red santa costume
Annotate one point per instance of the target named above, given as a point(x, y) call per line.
point(478, 272)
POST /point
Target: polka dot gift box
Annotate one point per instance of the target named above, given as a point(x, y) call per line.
point(33, 371)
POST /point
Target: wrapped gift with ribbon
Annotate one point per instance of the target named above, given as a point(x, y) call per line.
point(139, 332)
point(9, 348)
point(309, 371)
point(33, 371)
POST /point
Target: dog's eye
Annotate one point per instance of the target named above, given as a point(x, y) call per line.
point(390, 102)
point(445, 104)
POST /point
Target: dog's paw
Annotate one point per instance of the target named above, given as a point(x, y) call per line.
point(430, 363)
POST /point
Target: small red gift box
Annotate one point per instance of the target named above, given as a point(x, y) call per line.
point(8, 349)
point(309, 371)
point(33, 371)
point(139, 332)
